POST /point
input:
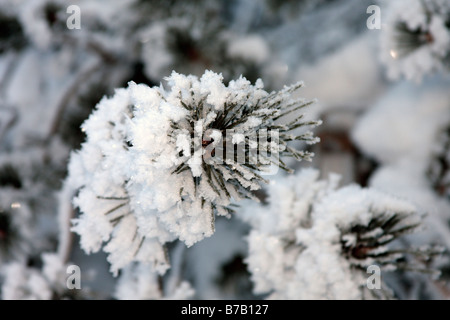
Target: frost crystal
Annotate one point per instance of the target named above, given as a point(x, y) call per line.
point(159, 164)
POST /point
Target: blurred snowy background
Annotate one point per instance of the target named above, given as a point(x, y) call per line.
point(383, 97)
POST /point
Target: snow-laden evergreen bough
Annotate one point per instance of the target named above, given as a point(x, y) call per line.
point(159, 165)
point(315, 241)
point(416, 39)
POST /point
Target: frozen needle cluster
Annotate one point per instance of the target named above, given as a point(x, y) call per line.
point(159, 165)
point(314, 241)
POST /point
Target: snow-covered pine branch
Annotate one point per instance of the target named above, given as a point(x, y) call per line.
point(159, 165)
point(315, 241)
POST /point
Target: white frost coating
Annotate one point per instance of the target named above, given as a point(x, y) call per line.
point(100, 169)
point(271, 260)
point(215, 89)
point(428, 57)
point(132, 193)
point(295, 249)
